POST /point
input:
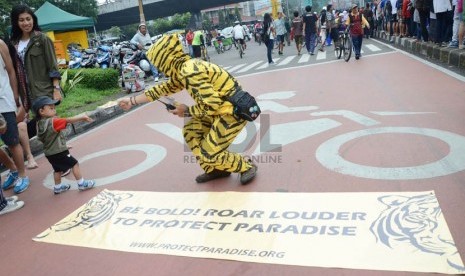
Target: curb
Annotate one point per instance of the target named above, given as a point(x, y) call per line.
point(100, 115)
point(453, 57)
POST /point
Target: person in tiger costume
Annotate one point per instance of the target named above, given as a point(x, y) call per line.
point(212, 127)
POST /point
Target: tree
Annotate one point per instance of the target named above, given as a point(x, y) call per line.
point(237, 14)
point(221, 19)
point(115, 31)
point(5, 8)
point(207, 23)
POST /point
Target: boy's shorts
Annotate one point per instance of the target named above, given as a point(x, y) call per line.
point(11, 136)
point(62, 161)
point(32, 128)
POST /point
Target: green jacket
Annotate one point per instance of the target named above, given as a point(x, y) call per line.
point(41, 66)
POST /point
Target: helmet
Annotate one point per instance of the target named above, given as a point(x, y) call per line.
point(237, 22)
point(144, 65)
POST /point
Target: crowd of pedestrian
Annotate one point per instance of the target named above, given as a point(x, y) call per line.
point(433, 21)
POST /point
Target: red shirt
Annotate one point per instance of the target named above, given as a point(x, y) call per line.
point(59, 124)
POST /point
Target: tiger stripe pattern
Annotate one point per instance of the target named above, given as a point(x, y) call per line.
point(213, 127)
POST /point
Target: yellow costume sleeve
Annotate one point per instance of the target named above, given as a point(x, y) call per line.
point(167, 88)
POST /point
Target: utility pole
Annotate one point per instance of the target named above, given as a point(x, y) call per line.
point(141, 12)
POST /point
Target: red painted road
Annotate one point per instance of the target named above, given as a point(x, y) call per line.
point(341, 96)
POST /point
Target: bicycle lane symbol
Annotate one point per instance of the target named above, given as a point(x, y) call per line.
point(276, 136)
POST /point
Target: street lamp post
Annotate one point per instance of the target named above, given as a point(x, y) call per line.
point(141, 12)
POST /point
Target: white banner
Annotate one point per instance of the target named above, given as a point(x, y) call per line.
point(379, 231)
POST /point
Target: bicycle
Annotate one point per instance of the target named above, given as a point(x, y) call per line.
point(204, 52)
point(240, 47)
point(241, 50)
point(344, 45)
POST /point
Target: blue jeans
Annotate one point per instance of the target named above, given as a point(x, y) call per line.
point(310, 42)
point(154, 71)
point(357, 42)
point(269, 49)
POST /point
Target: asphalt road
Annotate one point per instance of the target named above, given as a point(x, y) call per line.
point(388, 122)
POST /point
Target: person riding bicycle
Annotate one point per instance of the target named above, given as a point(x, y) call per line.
point(239, 34)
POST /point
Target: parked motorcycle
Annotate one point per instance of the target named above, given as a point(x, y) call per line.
point(132, 78)
point(75, 57)
point(89, 59)
point(138, 57)
point(104, 57)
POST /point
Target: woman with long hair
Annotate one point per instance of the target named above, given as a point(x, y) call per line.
point(33, 55)
point(36, 53)
point(269, 31)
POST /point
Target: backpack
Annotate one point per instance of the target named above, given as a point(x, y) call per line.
point(388, 6)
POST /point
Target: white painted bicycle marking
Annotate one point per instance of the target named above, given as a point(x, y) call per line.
point(328, 155)
point(154, 155)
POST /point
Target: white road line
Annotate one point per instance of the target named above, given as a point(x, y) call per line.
point(321, 55)
point(372, 47)
point(286, 60)
point(304, 58)
point(267, 64)
point(237, 67)
point(249, 67)
point(227, 67)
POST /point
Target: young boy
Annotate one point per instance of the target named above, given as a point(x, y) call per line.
point(49, 132)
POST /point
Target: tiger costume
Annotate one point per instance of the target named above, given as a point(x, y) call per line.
point(213, 127)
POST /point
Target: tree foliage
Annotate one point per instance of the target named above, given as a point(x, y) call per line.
point(207, 23)
point(87, 8)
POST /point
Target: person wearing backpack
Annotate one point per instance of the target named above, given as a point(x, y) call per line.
point(357, 22)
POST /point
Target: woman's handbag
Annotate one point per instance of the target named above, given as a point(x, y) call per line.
point(245, 105)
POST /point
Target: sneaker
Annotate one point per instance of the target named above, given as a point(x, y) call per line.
point(453, 44)
point(87, 184)
point(156, 79)
point(249, 175)
point(211, 176)
point(65, 173)
point(11, 199)
point(11, 178)
point(21, 185)
point(10, 207)
point(58, 189)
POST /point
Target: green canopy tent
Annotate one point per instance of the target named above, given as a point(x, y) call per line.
point(52, 18)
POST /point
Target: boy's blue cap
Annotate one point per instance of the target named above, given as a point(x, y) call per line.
point(41, 101)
